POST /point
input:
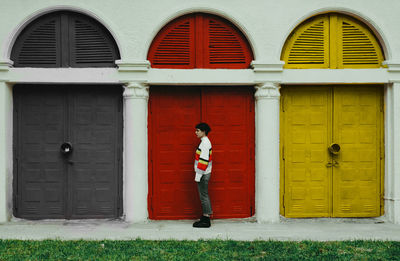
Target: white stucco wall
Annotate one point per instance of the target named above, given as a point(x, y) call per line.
point(266, 24)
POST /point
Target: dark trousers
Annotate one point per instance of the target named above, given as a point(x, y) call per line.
point(202, 187)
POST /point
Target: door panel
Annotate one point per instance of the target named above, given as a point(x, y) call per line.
point(318, 183)
point(307, 125)
point(94, 121)
point(229, 113)
point(84, 183)
point(357, 121)
point(174, 112)
point(41, 174)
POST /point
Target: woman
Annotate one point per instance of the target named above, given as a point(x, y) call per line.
point(202, 168)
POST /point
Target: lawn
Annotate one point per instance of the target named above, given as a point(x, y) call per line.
point(198, 250)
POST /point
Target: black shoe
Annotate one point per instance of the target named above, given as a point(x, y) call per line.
point(203, 222)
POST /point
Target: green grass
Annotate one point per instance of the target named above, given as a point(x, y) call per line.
point(198, 250)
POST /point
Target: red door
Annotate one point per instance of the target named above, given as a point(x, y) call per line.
point(173, 113)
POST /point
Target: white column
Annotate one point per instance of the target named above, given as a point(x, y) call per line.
point(394, 175)
point(135, 152)
point(267, 152)
point(5, 151)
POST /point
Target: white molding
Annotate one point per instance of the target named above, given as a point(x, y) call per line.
point(267, 90)
point(63, 75)
point(334, 76)
point(132, 66)
point(265, 67)
point(139, 71)
point(133, 71)
point(6, 64)
point(393, 66)
point(227, 77)
point(136, 90)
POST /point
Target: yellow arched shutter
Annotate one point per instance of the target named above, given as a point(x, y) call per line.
point(308, 47)
point(358, 46)
point(332, 41)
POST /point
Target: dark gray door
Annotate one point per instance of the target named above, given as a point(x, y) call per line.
point(84, 183)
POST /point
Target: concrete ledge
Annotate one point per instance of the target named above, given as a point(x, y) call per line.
point(246, 230)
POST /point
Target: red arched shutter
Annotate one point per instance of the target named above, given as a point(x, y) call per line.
point(174, 45)
point(200, 41)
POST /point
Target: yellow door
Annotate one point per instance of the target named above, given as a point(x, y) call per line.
point(318, 182)
point(357, 129)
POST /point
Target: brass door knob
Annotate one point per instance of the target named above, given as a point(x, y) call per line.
point(334, 148)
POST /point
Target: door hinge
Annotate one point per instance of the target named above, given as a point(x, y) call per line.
point(283, 200)
point(283, 153)
point(251, 211)
point(382, 152)
point(283, 104)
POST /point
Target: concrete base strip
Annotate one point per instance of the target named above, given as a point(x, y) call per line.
point(183, 230)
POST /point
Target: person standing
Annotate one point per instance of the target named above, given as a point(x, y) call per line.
point(202, 168)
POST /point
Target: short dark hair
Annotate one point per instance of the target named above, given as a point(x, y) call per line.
point(203, 127)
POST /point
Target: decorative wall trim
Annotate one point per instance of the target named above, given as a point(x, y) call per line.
point(393, 66)
point(267, 67)
point(64, 75)
point(132, 66)
point(267, 90)
point(136, 90)
point(5, 65)
point(393, 69)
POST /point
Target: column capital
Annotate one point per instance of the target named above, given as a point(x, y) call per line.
point(267, 90)
point(136, 90)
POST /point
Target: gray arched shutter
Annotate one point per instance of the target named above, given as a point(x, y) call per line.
point(65, 39)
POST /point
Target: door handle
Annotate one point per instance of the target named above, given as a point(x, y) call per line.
point(334, 148)
point(66, 148)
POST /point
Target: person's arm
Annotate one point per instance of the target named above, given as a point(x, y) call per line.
point(203, 155)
